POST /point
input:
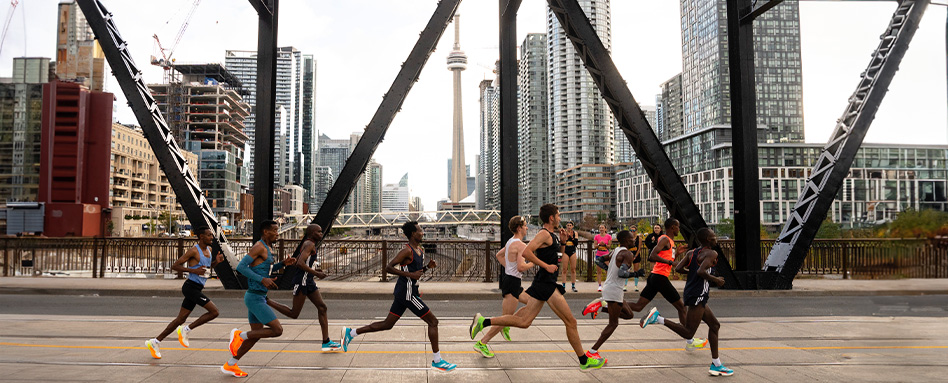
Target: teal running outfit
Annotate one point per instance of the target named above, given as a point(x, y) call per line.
point(256, 296)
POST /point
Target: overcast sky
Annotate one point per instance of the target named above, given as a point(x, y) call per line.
point(359, 45)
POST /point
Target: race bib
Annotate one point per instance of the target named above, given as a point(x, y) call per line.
point(602, 247)
point(569, 243)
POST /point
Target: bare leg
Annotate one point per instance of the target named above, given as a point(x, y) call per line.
point(322, 310)
point(572, 267)
point(688, 329)
point(432, 322)
point(522, 318)
point(298, 301)
point(206, 317)
point(508, 307)
point(383, 325)
point(177, 321)
point(559, 306)
point(258, 331)
point(680, 306)
point(614, 309)
point(713, 327)
point(639, 305)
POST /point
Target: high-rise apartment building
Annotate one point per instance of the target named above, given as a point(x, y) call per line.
point(779, 75)
point(324, 180)
point(533, 130)
point(21, 108)
point(296, 94)
point(79, 57)
point(581, 125)
point(673, 117)
point(488, 187)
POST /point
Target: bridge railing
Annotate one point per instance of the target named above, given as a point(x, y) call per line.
point(365, 260)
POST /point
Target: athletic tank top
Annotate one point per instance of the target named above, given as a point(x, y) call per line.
point(264, 269)
point(570, 243)
point(612, 274)
point(510, 268)
point(549, 256)
point(406, 285)
point(303, 278)
point(202, 261)
point(669, 254)
point(695, 286)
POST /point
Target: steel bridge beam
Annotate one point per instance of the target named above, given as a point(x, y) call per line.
point(749, 12)
point(160, 138)
point(509, 151)
point(630, 118)
point(264, 137)
point(834, 162)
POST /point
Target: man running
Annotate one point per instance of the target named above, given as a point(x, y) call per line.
point(257, 266)
point(510, 280)
point(542, 252)
point(569, 250)
point(198, 259)
point(409, 265)
point(305, 287)
point(698, 263)
point(620, 260)
point(663, 255)
point(602, 241)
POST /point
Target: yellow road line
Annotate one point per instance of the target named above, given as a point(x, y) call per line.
point(496, 351)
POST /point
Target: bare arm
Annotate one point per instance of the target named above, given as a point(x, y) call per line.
point(522, 265)
point(308, 248)
point(179, 265)
point(400, 258)
point(682, 266)
point(707, 262)
point(500, 255)
point(662, 246)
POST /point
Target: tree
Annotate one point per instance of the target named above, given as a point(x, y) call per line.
point(645, 227)
point(918, 224)
point(829, 229)
point(725, 228)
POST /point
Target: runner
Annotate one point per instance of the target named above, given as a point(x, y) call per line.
point(620, 262)
point(409, 266)
point(510, 288)
point(663, 255)
point(305, 287)
point(602, 241)
point(199, 263)
point(699, 264)
point(257, 266)
point(569, 250)
point(542, 252)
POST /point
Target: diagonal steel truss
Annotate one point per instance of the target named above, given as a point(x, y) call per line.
point(159, 136)
point(837, 156)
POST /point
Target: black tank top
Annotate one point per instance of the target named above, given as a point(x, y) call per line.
point(549, 256)
point(570, 243)
point(695, 286)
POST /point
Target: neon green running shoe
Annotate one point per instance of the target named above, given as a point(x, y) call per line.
point(477, 325)
point(593, 363)
point(483, 349)
point(506, 333)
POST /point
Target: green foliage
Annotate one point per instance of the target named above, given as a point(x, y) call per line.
point(725, 228)
point(829, 229)
point(917, 224)
point(645, 227)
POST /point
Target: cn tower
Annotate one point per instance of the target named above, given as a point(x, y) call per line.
point(457, 62)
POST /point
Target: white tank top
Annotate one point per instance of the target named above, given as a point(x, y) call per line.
point(612, 274)
point(510, 268)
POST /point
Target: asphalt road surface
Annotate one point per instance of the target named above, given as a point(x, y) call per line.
point(888, 306)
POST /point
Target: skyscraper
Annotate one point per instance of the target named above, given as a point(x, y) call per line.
point(21, 105)
point(533, 131)
point(79, 57)
point(581, 125)
point(673, 120)
point(457, 62)
point(779, 76)
point(488, 168)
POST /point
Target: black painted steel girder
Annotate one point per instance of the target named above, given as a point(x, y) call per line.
point(630, 118)
point(155, 128)
point(509, 150)
point(264, 133)
point(749, 12)
point(836, 158)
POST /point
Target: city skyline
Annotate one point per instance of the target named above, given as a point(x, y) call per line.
point(351, 81)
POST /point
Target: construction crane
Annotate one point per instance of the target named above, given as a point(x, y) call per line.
point(166, 60)
point(6, 23)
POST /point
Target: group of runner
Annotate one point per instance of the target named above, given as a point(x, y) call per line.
point(410, 265)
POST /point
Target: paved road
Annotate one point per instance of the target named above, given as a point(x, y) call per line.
point(888, 306)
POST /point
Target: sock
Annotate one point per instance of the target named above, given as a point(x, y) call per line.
point(660, 320)
point(690, 340)
point(486, 322)
point(582, 359)
point(436, 356)
point(593, 351)
point(636, 281)
point(156, 340)
point(232, 361)
point(326, 340)
point(187, 328)
point(626, 281)
point(574, 284)
point(353, 333)
point(243, 335)
point(716, 361)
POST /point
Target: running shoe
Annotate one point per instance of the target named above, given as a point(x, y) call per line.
point(720, 370)
point(592, 309)
point(600, 288)
point(183, 336)
point(483, 349)
point(235, 341)
point(506, 333)
point(593, 355)
point(625, 288)
point(152, 345)
point(477, 325)
point(346, 338)
point(696, 344)
point(592, 363)
point(443, 365)
point(233, 371)
point(574, 288)
point(651, 318)
point(331, 346)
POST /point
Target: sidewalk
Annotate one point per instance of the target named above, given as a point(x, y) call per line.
point(446, 290)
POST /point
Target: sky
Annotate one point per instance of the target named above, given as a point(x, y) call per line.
point(359, 46)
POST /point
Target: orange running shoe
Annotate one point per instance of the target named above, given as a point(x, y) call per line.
point(234, 371)
point(152, 345)
point(235, 341)
point(593, 308)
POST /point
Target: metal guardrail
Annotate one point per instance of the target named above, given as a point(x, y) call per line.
point(459, 261)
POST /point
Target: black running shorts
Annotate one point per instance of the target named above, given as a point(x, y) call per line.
point(510, 285)
point(698, 300)
point(193, 295)
point(413, 303)
point(308, 289)
point(658, 283)
point(544, 290)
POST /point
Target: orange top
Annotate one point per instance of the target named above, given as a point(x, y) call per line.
point(669, 254)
